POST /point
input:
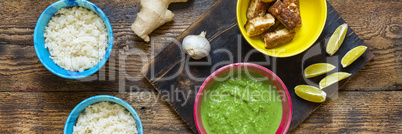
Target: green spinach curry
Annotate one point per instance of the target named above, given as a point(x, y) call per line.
point(246, 103)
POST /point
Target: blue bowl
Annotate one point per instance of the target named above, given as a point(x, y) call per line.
point(43, 53)
point(72, 118)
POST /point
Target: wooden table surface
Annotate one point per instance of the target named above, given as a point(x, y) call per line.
point(369, 103)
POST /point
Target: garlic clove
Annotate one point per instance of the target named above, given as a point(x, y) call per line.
point(198, 54)
point(196, 46)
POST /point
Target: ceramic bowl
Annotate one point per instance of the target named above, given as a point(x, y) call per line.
point(313, 14)
point(72, 118)
point(272, 77)
point(39, 40)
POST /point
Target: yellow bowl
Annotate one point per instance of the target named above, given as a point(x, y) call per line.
point(313, 14)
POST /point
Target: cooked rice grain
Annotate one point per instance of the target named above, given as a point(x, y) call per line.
point(105, 118)
point(76, 38)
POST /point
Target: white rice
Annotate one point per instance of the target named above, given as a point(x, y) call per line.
point(105, 118)
point(76, 38)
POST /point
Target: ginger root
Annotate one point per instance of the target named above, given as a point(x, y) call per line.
point(153, 14)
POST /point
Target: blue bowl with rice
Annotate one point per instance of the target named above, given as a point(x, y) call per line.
point(75, 113)
point(43, 53)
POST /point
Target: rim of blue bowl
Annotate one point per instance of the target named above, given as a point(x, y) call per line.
point(72, 117)
point(57, 69)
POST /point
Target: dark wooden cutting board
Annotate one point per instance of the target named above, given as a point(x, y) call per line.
point(178, 77)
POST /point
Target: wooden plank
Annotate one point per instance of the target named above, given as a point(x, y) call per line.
point(19, 65)
point(46, 112)
point(357, 112)
point(378, 24)
point(172, 71)
point(171, 59)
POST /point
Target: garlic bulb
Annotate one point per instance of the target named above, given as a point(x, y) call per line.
point(197, 46)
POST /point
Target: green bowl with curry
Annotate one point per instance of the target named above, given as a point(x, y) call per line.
point(243, 98)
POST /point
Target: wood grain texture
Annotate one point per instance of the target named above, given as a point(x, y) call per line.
point(357, 112)
point(171, 68)
point(46, 112)
point(377, 23)
point(20, 67)
point(352, 112)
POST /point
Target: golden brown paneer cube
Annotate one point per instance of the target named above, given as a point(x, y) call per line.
point(257, 25)
point(278, 37)
point(284, 15)
point(256, 8)
point(273, 27)
point(293, 5)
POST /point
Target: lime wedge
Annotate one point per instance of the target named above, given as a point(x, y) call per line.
point(333, 78)
point(336, 39)
point(310, 93)
point(352, 55)
point(317, 69)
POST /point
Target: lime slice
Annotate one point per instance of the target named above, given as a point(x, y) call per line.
point(333, 78)
point(310, 93)
point(352, 55)
point(317, 69)
point(336, 39)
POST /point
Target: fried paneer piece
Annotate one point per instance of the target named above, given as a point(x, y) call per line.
point(273, 27)
point(278, 37)
point(256, 8)
point(284, 15)
point(293, 5)
point(259, 24)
